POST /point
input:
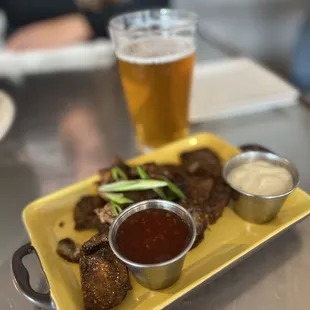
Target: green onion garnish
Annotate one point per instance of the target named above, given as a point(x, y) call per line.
point(117, 198)
point(174, 188)
point(115, 208)
point(131, 185)
point(114, 174)
point(118, 174)
point(143, 175)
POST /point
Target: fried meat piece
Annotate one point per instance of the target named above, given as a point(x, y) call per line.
point(153, 170)
point(84, 215)
point(176, 175)
point(199, 187)
point(103, 228)
point(172, 172)
point(95, 243)
point(105, 214)
point(105, 280)
point(220, 198)
point(137, 196)
point(196, 209)
point(202, 162)
point(67, 249)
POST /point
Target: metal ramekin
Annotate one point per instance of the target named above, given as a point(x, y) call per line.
point(259, 209)
point(154, 276)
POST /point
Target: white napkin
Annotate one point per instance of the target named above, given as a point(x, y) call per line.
point(236, 86)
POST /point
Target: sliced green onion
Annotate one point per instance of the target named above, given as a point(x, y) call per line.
point(114, 174)
point(132, 185)
point(115, 208)
point(117, 198)
point(143, 175)
point(174, 188)
point(118, 174)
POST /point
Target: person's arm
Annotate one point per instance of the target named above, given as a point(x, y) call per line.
point(51, 33)
point(72, 28)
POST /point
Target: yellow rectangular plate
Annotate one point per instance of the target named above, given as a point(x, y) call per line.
point(226, 243)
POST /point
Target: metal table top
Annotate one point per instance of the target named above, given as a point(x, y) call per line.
point(49, 147)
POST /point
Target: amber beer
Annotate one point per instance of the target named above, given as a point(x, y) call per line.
point(156, 74)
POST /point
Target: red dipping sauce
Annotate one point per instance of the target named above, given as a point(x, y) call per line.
point(152, 236)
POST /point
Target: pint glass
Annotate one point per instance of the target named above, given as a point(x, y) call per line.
point(155, 50)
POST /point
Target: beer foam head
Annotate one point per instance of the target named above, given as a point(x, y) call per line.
point(156, 50)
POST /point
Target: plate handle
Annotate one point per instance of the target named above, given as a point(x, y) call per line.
point(21, 279)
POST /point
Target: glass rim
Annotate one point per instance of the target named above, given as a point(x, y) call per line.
point(190, 17)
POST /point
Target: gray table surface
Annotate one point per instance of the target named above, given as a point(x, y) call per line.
point(49, 147)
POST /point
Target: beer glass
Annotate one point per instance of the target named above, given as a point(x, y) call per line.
point(155, 51)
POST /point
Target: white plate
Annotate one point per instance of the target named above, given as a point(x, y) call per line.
point(7, 113)
point(237, 86)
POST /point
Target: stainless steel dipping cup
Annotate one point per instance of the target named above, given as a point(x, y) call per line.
point(154, 276)
point(259, 209)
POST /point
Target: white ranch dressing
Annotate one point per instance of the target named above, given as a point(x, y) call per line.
point(261, 178)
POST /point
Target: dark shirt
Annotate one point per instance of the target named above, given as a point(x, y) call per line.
point(23, 12)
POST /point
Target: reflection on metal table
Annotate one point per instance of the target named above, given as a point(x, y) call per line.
point(70, 124)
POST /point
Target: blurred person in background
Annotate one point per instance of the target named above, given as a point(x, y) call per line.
point(42, 24)
point(301, 59)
